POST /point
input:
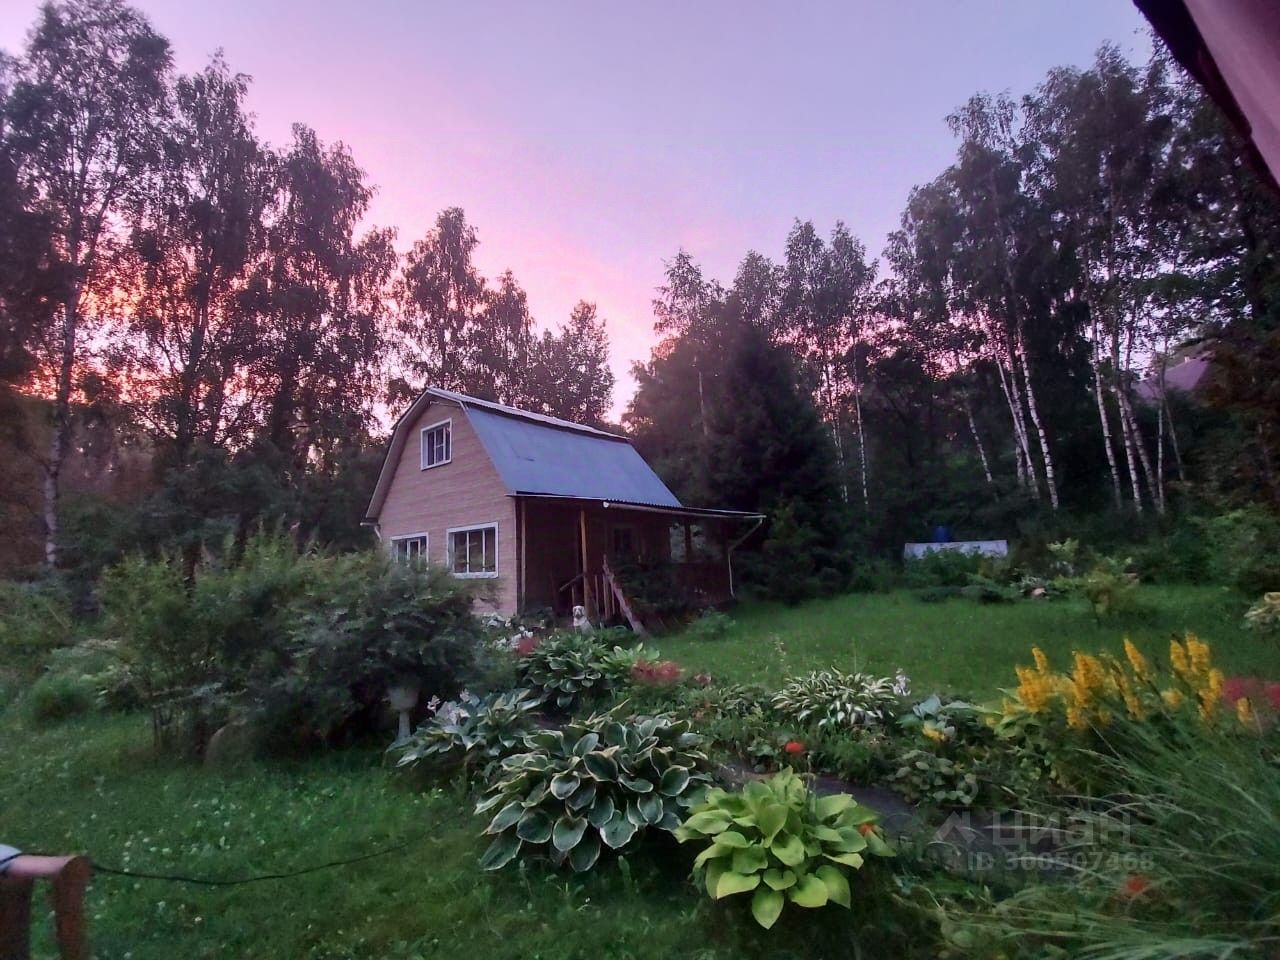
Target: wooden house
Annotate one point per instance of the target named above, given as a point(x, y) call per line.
point(546, 510)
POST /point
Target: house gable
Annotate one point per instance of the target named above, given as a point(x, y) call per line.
point(461, 492)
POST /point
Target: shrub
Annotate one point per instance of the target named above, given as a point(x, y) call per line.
point(941, 568)
point(709, 625)
point(303, 642)
point(471, 732)
point(381, 624)
point(57, 697)
point(1244, 549)
point(925, 776)
point(1108, 585)
point(570, 668)
point(780, 843)
point(35, 620)
point(598, 783)
point(832, 697)
point(1264, 616)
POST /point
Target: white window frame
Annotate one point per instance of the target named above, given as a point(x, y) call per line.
point(422, 444)
point(424, 556)
point(471, 528)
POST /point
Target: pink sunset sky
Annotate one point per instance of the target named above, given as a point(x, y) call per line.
point(588, 142)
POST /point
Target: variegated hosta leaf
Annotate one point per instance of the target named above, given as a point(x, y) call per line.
point(597, 784)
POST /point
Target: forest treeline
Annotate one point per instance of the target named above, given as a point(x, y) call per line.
point(1005, 362)
point(199, 331)
point(181, 293)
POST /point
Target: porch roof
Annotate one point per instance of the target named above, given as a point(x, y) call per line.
point(703, 513)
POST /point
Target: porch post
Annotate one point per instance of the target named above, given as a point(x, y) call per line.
point(522, 588)
point(688, 541)
point(586, 564)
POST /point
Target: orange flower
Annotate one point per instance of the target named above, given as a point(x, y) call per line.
point(1135, 885)
point(865, 828)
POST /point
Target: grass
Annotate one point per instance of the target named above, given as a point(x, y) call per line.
point(961, 645)
point(93, 784)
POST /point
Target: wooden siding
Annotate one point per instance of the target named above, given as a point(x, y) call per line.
point(465, 492)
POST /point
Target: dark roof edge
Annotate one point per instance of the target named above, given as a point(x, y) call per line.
point(708, 512)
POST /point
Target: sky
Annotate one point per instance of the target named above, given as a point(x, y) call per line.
point(590, 141)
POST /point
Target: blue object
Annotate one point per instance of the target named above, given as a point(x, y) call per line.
point(941, 534)
point(7, 855)
point(535, 457)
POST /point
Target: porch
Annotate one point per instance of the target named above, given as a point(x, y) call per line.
point(605, 556)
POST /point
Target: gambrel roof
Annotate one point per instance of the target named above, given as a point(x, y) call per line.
point(537, 455)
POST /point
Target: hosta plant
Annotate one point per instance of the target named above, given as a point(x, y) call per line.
point(568, 668)
point(781, 843)
point(471, 732)
point(599, 784)
point(835, 698)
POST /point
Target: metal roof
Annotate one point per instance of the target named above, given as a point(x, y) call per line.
point(477, 403)
point(540, 455)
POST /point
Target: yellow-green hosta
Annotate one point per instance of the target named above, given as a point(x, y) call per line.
point(779, 842)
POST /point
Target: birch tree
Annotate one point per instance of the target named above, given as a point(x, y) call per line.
point(83, 117)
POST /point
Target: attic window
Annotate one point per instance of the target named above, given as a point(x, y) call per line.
point(473, 551)
point(437, 444)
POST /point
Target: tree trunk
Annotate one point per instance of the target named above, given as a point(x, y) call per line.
point(1027, 476)
point(1049, 479)
point(1126, 411)
point(1106, 428)
point(61, 427)
point(977, 439)
point(862, 439)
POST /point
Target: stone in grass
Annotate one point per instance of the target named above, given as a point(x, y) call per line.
point(231, 744)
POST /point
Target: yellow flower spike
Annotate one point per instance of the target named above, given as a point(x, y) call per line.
point(1042, 662)
point(1178, 657)
point(1246, 715)
point(1141, 668)
point(1172, 698)
point(1131, 702)
point(1199, 654)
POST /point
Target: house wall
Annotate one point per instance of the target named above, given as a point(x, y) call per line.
point(465, 492)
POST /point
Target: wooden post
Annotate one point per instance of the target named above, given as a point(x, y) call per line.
point(68, 877)
point(688, 541)
point(586, 576)
point(522, 589)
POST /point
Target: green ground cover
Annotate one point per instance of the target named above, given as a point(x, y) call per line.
point(960, 644)
point(95, 784)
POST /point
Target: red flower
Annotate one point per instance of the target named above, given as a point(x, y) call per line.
point(865, 828)
point(1257, 690)
point(1135, 885)
point(793, 747)
point(1273, 696)
point(662, 673)
point(526, 645)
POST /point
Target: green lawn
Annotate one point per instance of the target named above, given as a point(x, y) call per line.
point(962, 645)
point(95, 785)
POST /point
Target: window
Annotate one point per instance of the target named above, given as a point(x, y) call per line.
point(437, 444)
point(473, 551)
point(412, 548)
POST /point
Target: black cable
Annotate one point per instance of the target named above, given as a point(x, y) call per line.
point(208, 882)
